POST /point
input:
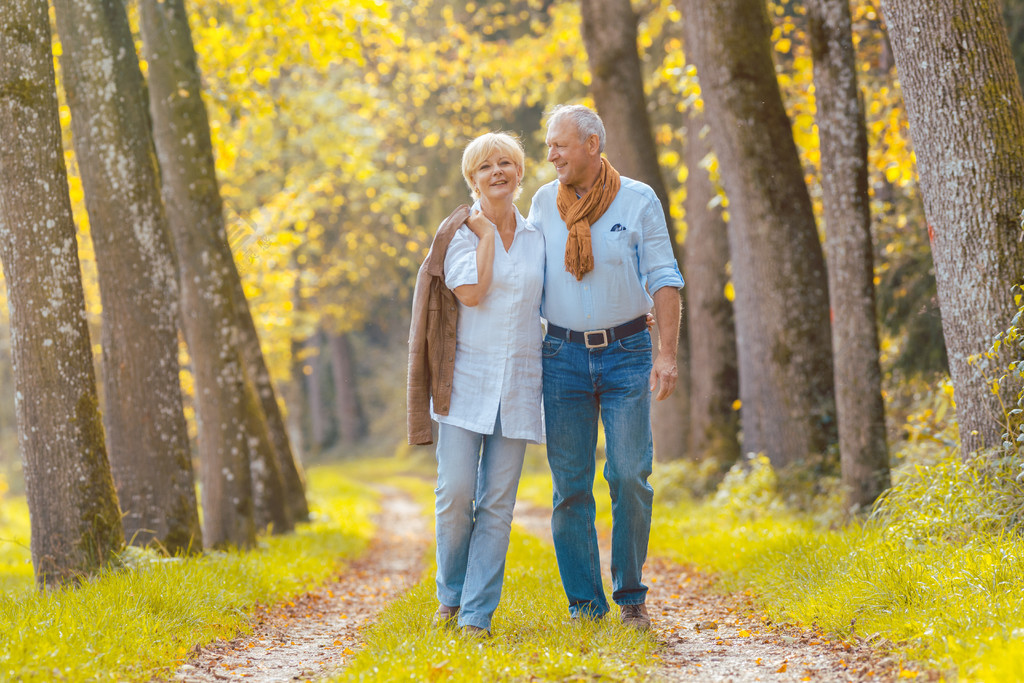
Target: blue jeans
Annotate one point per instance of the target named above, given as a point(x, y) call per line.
point(580, 385)
point(477, 479)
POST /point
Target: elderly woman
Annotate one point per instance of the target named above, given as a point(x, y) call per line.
point(485, 388)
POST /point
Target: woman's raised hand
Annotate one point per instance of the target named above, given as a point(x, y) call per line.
point(480, 224)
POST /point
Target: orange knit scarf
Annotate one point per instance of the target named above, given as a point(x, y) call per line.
point(579, 213)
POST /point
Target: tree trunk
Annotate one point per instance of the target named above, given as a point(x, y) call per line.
point(270, 501)
point(781, 305)
point(966, 115)
point(348, 408)
point(617, 84)
point(75, 520)
point(147, 439)
point(191, 184)
point(610, 38)
point(292, 479)
point(714, 375)
point(319, 417)
point(182, 135)
point(860, 411)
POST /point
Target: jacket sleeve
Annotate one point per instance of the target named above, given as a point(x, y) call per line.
point(418, 384)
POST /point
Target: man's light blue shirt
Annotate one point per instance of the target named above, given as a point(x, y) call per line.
point(632, 259)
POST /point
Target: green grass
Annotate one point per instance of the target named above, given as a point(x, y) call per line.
point(533, 637)
point(944, 593)
point(133, 622)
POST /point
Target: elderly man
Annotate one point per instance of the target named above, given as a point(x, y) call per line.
point(609, 258)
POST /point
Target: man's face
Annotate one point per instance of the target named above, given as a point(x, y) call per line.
point(572, 158)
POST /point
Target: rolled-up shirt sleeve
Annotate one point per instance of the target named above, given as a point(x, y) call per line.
point(658, 267)
point(460, 261)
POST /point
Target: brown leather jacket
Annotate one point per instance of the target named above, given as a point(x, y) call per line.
point(435, 314)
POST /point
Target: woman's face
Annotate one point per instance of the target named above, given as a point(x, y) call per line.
point(497, 177)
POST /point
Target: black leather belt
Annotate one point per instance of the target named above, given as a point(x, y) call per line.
point(598, 339)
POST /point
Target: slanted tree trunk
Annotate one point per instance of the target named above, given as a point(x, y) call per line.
point(863, 452)
point(292, 479)
point(75, 520)
point(714, 375)
point(966, 115)
point(147, 439)
point(348, 409)
point(609, 35)
point(781, 306)
point(209, 318)
point(190, 185)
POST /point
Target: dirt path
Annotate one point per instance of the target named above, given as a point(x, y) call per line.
point(707, 636)
point(316, 633)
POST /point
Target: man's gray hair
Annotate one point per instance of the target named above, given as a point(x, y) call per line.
point(586, 119)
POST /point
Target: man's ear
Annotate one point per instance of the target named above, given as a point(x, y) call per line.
point(594, 144)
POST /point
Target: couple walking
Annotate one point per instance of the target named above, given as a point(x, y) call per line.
point(591, 259)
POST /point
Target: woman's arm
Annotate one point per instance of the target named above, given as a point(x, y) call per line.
point(472, 295)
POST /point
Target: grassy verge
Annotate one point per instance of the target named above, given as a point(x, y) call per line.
point(922, 576)
point(134, 622)
point(935, 574)
point(533, 637)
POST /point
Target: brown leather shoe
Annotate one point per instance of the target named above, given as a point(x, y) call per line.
point(476, 631)
point(445, 615)
point(636, 616)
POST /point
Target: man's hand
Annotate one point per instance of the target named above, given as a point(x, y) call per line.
point(664, 372)
point(663, 376)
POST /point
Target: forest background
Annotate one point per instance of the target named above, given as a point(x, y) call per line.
point(337, 133)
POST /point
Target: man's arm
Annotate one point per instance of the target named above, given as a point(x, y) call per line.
point(664, 371)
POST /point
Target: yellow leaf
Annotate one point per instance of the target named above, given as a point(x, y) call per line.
point(783, 45)
point(730, 291)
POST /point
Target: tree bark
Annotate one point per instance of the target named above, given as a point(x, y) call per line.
point(210, 322)
point(714, 374)
point(781, 305)
point(75, 520)
point(348, 408)
point(860, 411)
point(292, 478)
point(617, 84)
point(966, 115)
point(147, 438)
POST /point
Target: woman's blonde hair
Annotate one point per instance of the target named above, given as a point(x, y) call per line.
point(482, 147)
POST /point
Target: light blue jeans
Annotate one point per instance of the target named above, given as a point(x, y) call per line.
point(582, 385)
point(477, 479)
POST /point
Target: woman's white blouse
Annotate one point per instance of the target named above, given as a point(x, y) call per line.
point(498, 341)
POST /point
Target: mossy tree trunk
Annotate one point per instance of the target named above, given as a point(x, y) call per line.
point(966, 115)
point(292, 478)
point(192, 176)
point(75, 519)
point(714, 370)
point(781, 306)
point(206, 272)
point(147, 439)
point(849, 249)
point(617, 84)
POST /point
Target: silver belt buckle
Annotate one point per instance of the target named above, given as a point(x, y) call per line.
point(596, 345)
